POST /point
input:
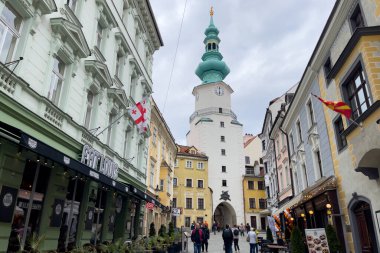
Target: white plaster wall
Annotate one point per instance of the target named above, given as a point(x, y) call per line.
point(207, 97)
point(205, 136)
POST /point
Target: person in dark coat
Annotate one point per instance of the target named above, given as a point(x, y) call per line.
point(228, 238)
point(197, 238)
point(206, 236)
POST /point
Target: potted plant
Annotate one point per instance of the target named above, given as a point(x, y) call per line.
point(296, 240)
point(152, 230)
point(332, 239)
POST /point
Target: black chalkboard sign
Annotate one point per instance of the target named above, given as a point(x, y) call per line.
point(8, 197)
point(89, 218)
point(57, 212)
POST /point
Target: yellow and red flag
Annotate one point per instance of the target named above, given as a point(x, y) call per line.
point(337, 106)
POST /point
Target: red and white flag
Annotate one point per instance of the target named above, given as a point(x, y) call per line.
point(139, 115)
point(149, 206)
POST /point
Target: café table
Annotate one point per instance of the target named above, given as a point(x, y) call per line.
point(277, 248)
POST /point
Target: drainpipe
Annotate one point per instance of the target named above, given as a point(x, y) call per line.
point(243, 201)
point(275, 162)
point(289, 163)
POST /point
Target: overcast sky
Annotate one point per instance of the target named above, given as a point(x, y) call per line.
point(266, 45)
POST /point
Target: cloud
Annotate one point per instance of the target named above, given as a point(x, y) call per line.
point(266, 44)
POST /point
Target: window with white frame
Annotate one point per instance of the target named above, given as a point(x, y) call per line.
point(89, 108)
point(200, 183)
point(224, 182)
point(119, 65)
point(318, 164)
point(176, 163)
point(222, 124)
point(201, 203)
point(10, 27)
point(247, 160)
point(200, 165)
point(161, 184)
point(310, 113)
point(291, 142)
point(189, 182)
point(189, 203)
point(189, 164)
point(99, 36)
point(151, 179)
point(224, 168)
point(175, 181)
point(223, 152)
point(57, 79)
point(299, 131)
point(222, 138)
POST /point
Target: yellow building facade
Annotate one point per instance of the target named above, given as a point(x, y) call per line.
point(159, 177)
point(254, 201)
point(191, 192)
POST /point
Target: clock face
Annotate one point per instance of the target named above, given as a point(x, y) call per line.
point(219, 90)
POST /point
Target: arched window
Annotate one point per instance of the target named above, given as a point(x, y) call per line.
point(213, 46)
point(209, 46)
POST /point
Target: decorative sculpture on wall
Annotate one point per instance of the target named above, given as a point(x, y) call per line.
point(225, 196)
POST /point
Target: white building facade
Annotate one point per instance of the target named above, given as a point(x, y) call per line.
point(214, 129)
point(83, 64)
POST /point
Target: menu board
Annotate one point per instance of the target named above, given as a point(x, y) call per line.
point(316, 240)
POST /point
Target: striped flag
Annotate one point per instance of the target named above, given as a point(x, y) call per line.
point(337, 106)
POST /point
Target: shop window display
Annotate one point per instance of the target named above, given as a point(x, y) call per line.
point(101, 201)
point(70, 217)
point(30, 200)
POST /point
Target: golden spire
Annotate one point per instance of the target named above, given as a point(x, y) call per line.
point(212, 11)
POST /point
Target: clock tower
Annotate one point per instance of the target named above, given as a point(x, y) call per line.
point(215, 130)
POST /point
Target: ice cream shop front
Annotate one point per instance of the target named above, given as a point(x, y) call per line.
point(47, 191)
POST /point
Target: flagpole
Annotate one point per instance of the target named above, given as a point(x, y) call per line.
point(113, 122)
point(350, 119)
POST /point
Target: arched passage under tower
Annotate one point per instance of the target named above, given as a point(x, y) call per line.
point(225, 214)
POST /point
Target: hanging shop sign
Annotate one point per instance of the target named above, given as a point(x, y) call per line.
point(97, 161)
point(8, 198)
point(176, 212)
point(89, 218)
point(56, 217)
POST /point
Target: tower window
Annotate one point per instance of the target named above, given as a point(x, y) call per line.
point(224, 182)
point(213, 46)
point(220, 110)
point(221, 124)
point(223, 168)
point(209, 46)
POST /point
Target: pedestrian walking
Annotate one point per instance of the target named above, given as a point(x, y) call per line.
point(228, 237)
point(241, 228)
point(192, 226)
point(247, 228)
point(214, 228)
point(236, 233)
point(252, 240)
point(197, 238)
point(206, 236)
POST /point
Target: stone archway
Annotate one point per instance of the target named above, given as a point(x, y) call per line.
point(225, 214)
point(363, 225)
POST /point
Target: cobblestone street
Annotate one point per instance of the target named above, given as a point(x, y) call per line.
point(215, 244)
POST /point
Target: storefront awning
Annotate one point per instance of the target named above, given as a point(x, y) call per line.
point(288, 204)
point(321, 186)
point(52, 154)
